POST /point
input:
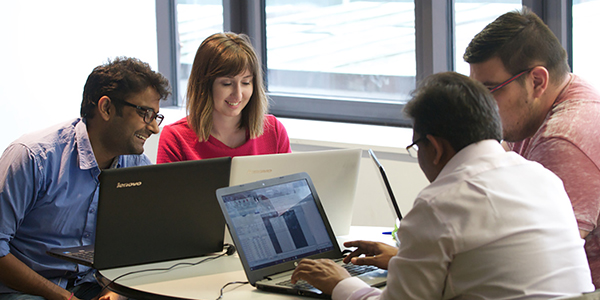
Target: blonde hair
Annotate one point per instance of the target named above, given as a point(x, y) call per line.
point(224, 54)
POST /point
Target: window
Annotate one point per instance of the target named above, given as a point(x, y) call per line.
point(351, 61)
point(585, 19)
point(357, 60)
point(354, 49)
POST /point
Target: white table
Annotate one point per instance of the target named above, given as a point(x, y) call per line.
point(205, 280)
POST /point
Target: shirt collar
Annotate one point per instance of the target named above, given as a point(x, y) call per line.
point(87, 160)
point(115, 163)
point(473, 151)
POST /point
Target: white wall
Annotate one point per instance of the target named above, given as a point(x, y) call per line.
point(50, 47)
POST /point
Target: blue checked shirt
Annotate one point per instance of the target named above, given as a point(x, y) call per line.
point(49, 197)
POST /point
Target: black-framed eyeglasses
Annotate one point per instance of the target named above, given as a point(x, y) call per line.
point(413, 149)
point(505, 83)
point(149, 114)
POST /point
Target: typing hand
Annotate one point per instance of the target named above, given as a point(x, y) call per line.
point(375, 253)
point(323, 274)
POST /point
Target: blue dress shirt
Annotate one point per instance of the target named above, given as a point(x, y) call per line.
point(49, 197)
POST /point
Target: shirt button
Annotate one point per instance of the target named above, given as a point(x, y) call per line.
point(87, 235)
point(92, 210)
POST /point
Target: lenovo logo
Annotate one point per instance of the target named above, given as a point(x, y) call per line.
point(121, 185)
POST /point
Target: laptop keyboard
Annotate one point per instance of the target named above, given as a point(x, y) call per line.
point(354, 270)
point(300, 284)
point(86, 255)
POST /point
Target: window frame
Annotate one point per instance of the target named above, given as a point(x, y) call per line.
point(168, 53)
point(434, 46)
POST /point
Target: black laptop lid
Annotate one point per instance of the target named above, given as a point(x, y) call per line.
point(388, 187)
point(275, 223)
point(160, 212)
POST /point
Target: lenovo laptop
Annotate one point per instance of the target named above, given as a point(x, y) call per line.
point(156, 213)
point(277, 222)
point(388, 187)
point(334, 173)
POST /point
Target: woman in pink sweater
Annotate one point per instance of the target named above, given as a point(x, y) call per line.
point(226, 105)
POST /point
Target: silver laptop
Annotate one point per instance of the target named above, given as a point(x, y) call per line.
point(277, 222)
point(155, 213)
point(334, 173)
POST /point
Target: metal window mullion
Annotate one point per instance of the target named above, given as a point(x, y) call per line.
point(249, 17)
point(167, 46)
point(434, 28)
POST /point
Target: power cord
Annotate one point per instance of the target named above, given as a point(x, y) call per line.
point(165, 269)
point(227, 284)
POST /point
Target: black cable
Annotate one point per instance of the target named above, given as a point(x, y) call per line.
point(229, 283)
point(162, 269)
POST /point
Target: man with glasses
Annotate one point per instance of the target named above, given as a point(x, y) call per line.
point(49, 180)
point(549, 115)
point(491, 225)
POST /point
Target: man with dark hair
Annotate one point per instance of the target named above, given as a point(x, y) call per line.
point(491, 225)
point(549, 115)
point(49, 180)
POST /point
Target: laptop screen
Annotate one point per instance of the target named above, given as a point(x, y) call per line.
point(277, 223)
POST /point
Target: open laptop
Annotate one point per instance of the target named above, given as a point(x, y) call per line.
point(334, 173)
point(277, 222)
point(388, 187)
point(156, 213)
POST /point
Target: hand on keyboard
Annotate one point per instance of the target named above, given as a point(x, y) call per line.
point(323, 274)
point(376, 253)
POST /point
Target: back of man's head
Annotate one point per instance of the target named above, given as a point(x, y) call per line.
point(120, 79)
point(521, 40)
point(454, 107)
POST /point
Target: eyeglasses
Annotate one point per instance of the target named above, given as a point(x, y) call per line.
point(505, 83)
point(413, 149)
point(149, 114)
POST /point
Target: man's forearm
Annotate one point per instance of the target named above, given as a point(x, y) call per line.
point(18, 276)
